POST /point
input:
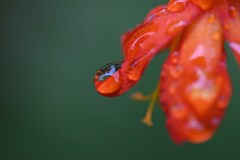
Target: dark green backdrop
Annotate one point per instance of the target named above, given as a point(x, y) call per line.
point(50, 109)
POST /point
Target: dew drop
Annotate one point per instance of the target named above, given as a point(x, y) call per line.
point(179, 111)
point(162, 12)
point(150, 17)
point(233, 11)
point(135, 71)
point(215, 121)
point(137, 67)
point(216, 36)
point(226, 25)
point(177, 5)
point(176, 71)
point(195, 124)
point(163, 73)
point(174, 57)
point(211, 19)
point(222, 102)
point(142, 45)
point(172, 88)
point(175, 27)
point(138, 40)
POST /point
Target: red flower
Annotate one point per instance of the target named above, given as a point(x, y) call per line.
point(195, 87)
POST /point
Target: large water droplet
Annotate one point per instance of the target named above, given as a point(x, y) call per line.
point(177, 5)
point(139, 40)
point(175, 27)
point(107, 79)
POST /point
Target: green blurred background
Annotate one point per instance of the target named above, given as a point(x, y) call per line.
point(50, 109)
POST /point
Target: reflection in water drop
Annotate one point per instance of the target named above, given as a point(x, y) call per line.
point(107, 70)
point(108, 80)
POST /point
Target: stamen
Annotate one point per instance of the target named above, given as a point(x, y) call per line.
point(148, 117)
point(153, 98)
point(138, 96)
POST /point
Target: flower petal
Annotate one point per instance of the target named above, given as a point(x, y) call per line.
point(144, 42)
point(195, 87)
point(230, 16)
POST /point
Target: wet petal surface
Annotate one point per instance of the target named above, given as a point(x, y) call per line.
point(194, 82)
point(143, 43)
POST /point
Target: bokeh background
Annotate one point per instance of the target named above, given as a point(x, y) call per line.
point(49, 109)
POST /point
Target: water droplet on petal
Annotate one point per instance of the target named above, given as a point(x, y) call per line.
point(139, 39)
point(215, 121)
point(195, 124)
point(107, 79)
point(176, 71)
point(222, 102)
point(216, 36)
point(179, 111)
point(137, 67)
point(174, 57)
point(226, 25)
point(233, 11)
point(135, 71)
point(161, 12)
point(142, 45)
point(175, 27)
point(211, 19)
point(172, 88)
point(177, 5)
